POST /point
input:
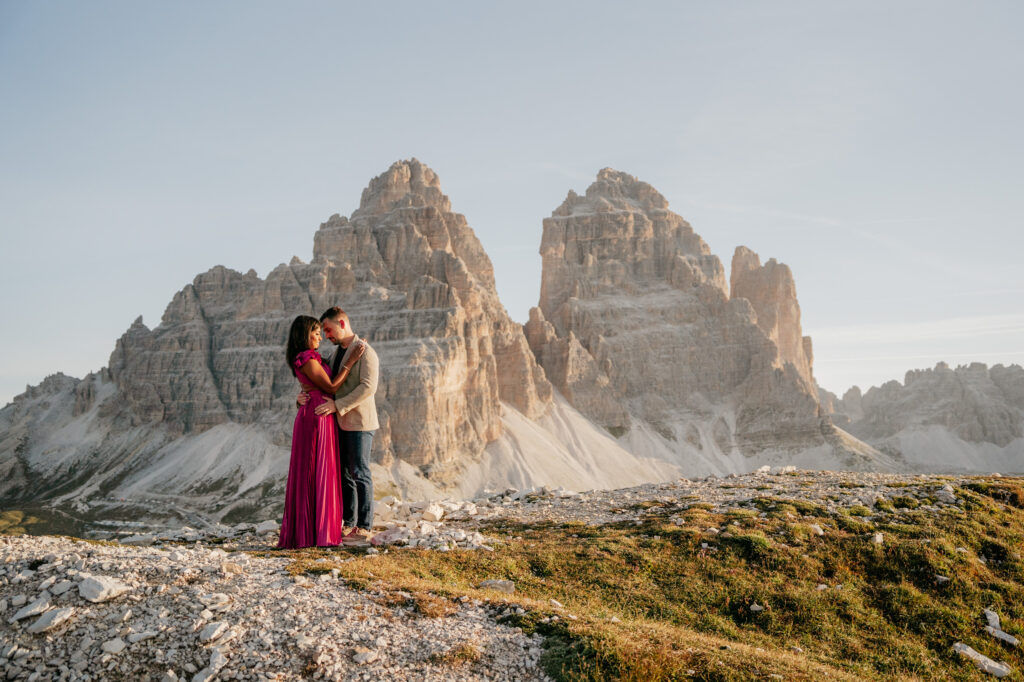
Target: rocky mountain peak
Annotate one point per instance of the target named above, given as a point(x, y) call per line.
point(406, 184)
point(616, 185)
point(619, 239)
point(613, 190)
point(636, 327)
point(403, 229)
point(416, 283)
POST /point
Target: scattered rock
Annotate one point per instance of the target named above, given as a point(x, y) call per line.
point(114, 646)
point(51, 619)
point(1002, 636)
point(61, 587)
point(264, 527)
point(984, 663)
point(33, 609)
point(213, 631)
point(433, 512)
point(100, 588)
point(946, 494)
point(364, 655)
point(218, 601)
point(217, 661)
point(992, 618)
point(506, 586)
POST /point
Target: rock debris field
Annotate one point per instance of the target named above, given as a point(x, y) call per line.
point(78, 611)
point(194, 604)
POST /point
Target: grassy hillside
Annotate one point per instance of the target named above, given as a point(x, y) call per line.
point(666, 599)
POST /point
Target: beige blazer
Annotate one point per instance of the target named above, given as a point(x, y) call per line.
point(357, 410)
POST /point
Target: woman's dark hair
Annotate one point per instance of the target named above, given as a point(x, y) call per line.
point(298, 338)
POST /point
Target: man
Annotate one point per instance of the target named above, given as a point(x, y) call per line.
point(357, 421)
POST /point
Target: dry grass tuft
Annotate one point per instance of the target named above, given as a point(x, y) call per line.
point(423, 603)
point(464, 653)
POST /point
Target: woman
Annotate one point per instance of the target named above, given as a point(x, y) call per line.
point(312, 500)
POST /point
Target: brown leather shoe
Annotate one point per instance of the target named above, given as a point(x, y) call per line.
point(359, 537)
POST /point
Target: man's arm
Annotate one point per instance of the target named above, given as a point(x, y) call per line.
point(369, 372)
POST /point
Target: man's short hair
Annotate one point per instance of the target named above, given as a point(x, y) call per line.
point(334, 313)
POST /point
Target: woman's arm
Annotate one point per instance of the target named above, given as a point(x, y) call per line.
point(314, 371)
point(353, 358)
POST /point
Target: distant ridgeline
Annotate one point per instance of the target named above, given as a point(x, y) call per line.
point(640, 362)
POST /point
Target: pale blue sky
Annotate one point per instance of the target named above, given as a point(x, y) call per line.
point(877, 148)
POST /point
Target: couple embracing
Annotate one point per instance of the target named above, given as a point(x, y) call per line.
point(329, 497)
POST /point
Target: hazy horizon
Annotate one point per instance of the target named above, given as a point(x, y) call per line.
point(874, 149)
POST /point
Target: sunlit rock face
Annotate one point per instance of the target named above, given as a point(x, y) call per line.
point(415, 281)
point(770, 288)
point(636, 322)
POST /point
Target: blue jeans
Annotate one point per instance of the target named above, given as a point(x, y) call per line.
point(356, 483)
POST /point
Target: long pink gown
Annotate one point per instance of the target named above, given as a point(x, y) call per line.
point(312, 499)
